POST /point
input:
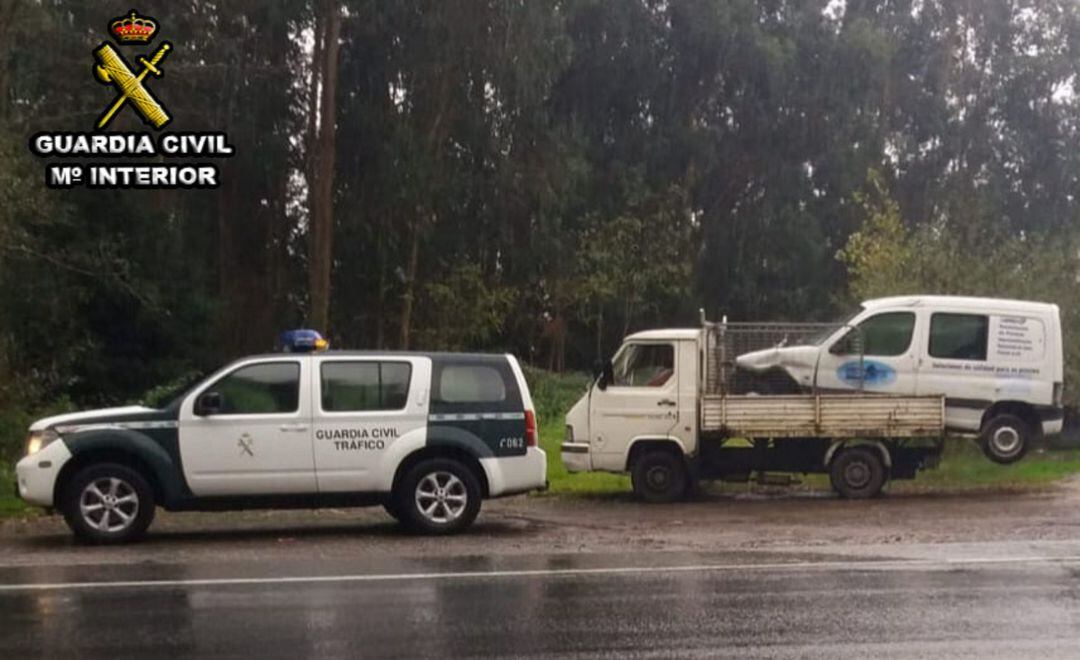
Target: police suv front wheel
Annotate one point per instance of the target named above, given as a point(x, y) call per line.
point(437, 496)
point(108, 503)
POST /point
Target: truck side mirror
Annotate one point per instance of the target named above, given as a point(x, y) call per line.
point(208, 403)
point(604, 373)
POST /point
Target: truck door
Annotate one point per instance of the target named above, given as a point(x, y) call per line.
point(248, 432)
point(364, 406)
point(878, 355)
point(642, 399)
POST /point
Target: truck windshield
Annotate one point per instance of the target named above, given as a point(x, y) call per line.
point(644, 365)
point(828, 330)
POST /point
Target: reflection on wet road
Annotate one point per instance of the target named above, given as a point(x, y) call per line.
point(660, 605)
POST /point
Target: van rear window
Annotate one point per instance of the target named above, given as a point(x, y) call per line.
point(471, 383)
point(959, 336)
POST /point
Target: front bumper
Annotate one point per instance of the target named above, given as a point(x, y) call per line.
point(36, 474)
point(576, 457)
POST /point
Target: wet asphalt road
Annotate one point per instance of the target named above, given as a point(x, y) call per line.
point(596, 605)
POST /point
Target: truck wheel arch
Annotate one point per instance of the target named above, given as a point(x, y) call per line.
point(639, 445)
point(837, 445)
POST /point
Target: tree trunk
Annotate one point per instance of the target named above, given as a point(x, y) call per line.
point(321, 236)
point(410, 287)
point(7, 28)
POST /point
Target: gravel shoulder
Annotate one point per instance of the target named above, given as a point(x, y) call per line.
point(895, 525)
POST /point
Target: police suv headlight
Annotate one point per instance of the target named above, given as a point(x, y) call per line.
point(569, 434)
point(38, 440)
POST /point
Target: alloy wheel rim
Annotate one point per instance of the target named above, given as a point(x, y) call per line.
point(441, 497)
point(109, 504)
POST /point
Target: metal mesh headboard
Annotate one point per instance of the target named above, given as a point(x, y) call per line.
point(727, 341)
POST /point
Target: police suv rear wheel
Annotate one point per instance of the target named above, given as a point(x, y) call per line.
point(438, 496)
point(108, 503)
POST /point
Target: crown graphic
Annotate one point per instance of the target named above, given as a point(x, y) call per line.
point(133, 29)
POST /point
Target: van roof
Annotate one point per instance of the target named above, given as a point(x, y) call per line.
point(962, 302)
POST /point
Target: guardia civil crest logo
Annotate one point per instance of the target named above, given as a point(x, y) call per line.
point(112, 68)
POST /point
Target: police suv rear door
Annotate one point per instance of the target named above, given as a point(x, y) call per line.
point(364, 406)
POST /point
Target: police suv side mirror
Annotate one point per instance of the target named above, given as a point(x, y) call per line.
point(208, 403)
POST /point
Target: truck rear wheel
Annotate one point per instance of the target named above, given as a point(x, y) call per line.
point(1005, 439)
point(660, 476)
point(857, 473)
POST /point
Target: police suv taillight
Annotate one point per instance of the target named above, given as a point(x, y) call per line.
point(530, 429)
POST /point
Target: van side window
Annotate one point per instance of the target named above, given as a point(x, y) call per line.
point(881, 335)
point(471, 383)
point(644, 365)
point(258, 389)
point(360, 386)
point(959, 336)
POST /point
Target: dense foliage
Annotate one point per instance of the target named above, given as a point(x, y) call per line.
point(531, 175)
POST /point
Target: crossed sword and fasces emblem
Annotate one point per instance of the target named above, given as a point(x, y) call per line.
point(245, 442)
point(113, 70)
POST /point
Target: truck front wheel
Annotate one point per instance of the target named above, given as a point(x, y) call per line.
point(660, 476)
point(857, 473)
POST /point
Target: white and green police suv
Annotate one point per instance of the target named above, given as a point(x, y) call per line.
point(427, 435)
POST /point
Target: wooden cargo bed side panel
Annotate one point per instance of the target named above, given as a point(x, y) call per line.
point(836, 415)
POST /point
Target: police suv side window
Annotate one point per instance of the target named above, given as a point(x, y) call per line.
point(267, 388)
point(363, 386)
point(471, 383)
point(959, 336)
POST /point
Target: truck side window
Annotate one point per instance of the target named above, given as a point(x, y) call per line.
point(271, 387)
point(644, 365)
point(959, 336)
point(882, 335)
point(360, 386)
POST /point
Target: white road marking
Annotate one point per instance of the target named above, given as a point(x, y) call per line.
point(889, 564)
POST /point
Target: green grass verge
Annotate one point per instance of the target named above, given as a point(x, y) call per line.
point(10, 504)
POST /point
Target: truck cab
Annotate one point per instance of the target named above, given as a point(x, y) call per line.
point(648, 398)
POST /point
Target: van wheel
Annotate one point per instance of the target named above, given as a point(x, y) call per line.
point(660, 476)
point(857, 473)
point(108, 503)
point(1005, 439)
point(437, 496)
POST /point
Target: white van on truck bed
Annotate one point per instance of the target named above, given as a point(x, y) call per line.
point(865, 400)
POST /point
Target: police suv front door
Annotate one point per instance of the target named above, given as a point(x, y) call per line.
point(365, 405)
point(248, 432)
